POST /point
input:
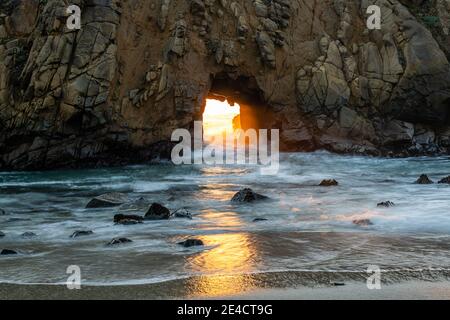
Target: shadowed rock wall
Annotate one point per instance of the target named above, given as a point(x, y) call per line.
point(113, 92)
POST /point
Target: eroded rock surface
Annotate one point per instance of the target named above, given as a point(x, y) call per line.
point(113, 92)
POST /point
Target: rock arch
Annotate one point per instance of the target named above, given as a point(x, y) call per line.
point(137, 70)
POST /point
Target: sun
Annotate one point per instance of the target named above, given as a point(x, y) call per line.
point(220, 117)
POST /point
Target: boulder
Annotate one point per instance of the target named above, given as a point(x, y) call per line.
point(386, 204)
point(126, 219)
point(2, 212)
point(423, 179)
point(117, 241)
point(259, 219)
point(247, 195)
point(7, 252)
point(445, 180)
point(157, 212)
point(182, 213)
point(81, 233)
point(113, 199)
point(398, 133)
point(191, 243)
point(328, 183)
point(362, 222)
point(28, 235)
point(2, 234)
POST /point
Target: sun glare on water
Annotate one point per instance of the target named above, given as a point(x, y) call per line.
point(218, 117)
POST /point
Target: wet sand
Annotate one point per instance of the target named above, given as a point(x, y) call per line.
point(412, 290)
point(270, 286)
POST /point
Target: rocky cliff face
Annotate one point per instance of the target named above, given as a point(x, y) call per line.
point(114, 91)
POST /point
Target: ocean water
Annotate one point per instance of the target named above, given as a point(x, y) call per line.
point(308, 228)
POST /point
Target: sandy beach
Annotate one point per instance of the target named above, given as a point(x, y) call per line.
point(352, 291)
point(273, 286)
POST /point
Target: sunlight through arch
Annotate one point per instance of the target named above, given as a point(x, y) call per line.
point(220, 117)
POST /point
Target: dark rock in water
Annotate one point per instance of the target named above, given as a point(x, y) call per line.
point(28, 235)
point(126, 219)
point(362, 222)
point(247, 195)
point(157, 212)
point(328, 183)
point(81, 233)
point(7, 251)
point(17, 219)
point(128, 222)
point(2, 212)
point(338, 284)
point(106, 200)
point(182, 213)
point(259, 219)
point(117, 241)
point(191, 243)
point(423, 179)
point(445, 180)
point(2, 234)
point(386, 204)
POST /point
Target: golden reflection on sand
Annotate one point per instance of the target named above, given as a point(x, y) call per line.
point(232, 255)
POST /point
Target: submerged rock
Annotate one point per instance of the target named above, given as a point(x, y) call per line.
point(191, 243)
point(2, 234)
point(247, 195)
point(182, 213)
point(445, 180)
point(329, 183)
point(157, 212)
point(136, 205)
point(423, 179)
point(2, 212)
point(81, 233)
point(7, 251)
point(362, 222)
point(28, 235)
point(260, 219)
point(386, 204)
point(126, 219)
point(17, 219)
point(112, 199)
point(117, 241)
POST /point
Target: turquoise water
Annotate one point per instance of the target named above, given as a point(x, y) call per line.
point(308, 227)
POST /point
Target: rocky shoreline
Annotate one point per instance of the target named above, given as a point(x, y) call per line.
point(125, 205)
